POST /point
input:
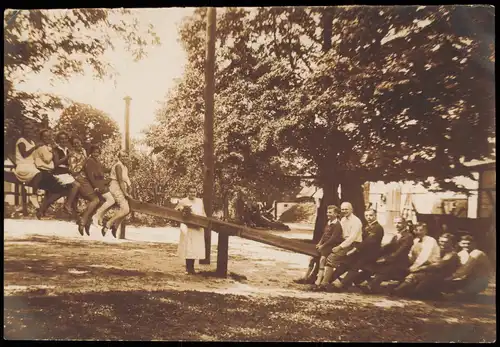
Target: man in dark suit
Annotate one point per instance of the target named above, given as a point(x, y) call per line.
point(393, 263)
point(332, 236)
point(365, 252)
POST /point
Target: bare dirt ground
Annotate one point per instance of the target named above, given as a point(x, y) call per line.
point(60, 285)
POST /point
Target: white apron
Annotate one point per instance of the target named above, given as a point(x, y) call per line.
point(192, 240)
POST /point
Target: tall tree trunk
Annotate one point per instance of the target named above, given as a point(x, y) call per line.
point(329, 187)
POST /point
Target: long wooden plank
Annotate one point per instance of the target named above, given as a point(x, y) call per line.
point(230, 229)
point(168, 213)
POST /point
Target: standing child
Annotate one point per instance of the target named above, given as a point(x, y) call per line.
point(192, 238)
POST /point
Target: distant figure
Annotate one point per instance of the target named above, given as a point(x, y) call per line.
point(192, 238)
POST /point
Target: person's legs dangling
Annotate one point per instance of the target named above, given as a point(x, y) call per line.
point(48, 200)
point(108, 202)
point(70, 204)
point(89, 210)
point(35, 184)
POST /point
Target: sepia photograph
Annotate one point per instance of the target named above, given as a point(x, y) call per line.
point(250, 174)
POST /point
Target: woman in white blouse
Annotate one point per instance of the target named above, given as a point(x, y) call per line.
point(192, 238)
point(26, 170)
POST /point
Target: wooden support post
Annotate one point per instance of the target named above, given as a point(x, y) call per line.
point(123, 224)
point(24, 200)
point(16, 194)
point(222, 254)
point(208, 139)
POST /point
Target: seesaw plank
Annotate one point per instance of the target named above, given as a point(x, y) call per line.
point(226, 228)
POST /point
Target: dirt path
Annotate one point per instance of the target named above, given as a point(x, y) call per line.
point(59, 285)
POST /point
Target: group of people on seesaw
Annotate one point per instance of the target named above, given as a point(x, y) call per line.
point(421, 266)
point(63, 168)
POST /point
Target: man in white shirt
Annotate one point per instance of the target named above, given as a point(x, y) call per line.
point(425, 249)
point(427, 281)
point(352, 233)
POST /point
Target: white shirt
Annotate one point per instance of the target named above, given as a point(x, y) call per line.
point(20, 160)
point(352, 230)
point(425, 251)
point(43, 157)
point(464, 256)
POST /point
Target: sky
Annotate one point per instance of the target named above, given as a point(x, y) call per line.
point(146, 81)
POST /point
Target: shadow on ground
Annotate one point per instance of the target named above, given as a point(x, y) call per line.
point(171, 315)
point(76, 289)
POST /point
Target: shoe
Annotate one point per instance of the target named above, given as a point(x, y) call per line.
point(80, 229)
point(300, 281)
point(39, 214)
point(113, 231)
point(103, 231)
point(87, 229)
